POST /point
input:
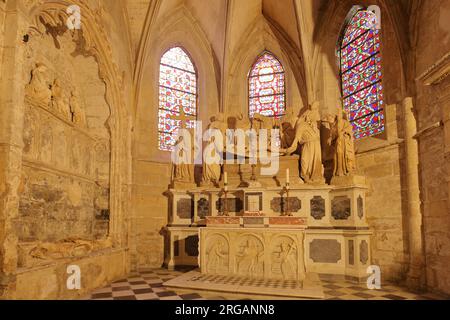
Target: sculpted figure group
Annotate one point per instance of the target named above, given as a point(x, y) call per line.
point(54, 96)
point(298, 134)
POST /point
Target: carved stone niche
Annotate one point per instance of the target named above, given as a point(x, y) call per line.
point(317, 207)
point(341, 208)
point(280, 204)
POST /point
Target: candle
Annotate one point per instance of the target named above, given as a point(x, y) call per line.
point(287, 176)
point(225, 178)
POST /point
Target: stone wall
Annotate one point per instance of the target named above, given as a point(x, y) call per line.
point(64, 140)
point(379, 158)
point(432, 113)
point(151, 180)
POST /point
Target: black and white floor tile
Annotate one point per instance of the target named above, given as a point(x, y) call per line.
point(148, 285)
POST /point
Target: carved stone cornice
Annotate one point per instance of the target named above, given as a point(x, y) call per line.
point(437, 72)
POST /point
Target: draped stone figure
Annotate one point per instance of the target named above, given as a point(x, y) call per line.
point(307, 134)
point(78, 114)
point(344, 152)
point(182, 163)
point(214, 151)
point(242, 123)
point(39, 87)
point(60, 102)
point(287, 131)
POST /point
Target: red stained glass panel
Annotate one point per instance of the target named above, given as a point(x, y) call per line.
point(177, 96)
point(361, 75)
point(267, 87)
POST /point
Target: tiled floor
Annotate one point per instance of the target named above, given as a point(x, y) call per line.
point(148, 285)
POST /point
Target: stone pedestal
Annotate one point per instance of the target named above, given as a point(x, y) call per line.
point(348, 180)
point(332, 219)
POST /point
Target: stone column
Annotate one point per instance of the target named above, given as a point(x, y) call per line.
point(416, 275)
point(11, 140)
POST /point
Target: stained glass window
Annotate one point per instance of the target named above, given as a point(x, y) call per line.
point(267, 87)
point(360, 70)
point(177, 96)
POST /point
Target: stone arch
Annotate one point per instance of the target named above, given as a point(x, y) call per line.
point(393, 44)
point(259, 37)
point(177, 28)
point(92, 41)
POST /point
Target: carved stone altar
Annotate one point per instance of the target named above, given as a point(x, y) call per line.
point(253, 252)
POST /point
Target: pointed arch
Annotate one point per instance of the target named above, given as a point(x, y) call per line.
point(360, 71)
point(177, 96)
point(267, 86)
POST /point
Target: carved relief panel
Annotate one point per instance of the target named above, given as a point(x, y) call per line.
point(67, 159)
point(217, 254)
point(284, 259)
point(249, 256)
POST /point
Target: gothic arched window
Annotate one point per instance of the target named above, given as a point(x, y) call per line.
point(360, 71)
point(266, 85)
point(177, 96)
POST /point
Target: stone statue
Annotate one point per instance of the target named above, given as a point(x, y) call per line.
point(342, 140)
point(38, 88)
point(59, 100)
point(78, 115)
point(261, 122)
point(182, 166)
point(307, 134)
point(242, 123)
point(211, 167)
point(287, 131)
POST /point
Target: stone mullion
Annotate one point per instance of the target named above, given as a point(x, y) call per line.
point(11, 141)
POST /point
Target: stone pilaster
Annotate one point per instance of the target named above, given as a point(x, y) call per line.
point(416, 275)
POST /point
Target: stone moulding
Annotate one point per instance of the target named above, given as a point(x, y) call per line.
point(437, 72)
